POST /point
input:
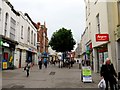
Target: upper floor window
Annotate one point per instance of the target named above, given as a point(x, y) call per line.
point(119, 12)
point(6, 24)
point(88, 7)
point(21, 32)
point(90, 27)
point(28, 37)
point(12, 28)
point(98, 23)
point(0, 14)
point(86, 13)
point(34, 39)
point(31, 37)
point(96, 1)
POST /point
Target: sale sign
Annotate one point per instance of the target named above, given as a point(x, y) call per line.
point(4, 65)
point(102, 37)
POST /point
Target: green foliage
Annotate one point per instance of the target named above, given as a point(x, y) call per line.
point(62, 40)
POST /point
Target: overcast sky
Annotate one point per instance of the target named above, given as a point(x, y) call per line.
point(56, 13)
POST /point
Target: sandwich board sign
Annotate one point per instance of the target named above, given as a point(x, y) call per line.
point(86, 74)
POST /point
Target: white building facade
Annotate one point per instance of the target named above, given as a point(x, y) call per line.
point(101, 23)
point(26, 50)
point(16, 48)
point(117, 37)
point(8, 33)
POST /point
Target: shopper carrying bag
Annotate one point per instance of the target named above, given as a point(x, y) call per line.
point(102, 84)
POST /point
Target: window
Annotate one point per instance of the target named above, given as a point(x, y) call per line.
point(28, 37)
point(90, 27)
point(6, 24)
point(86, 13)
point(0, 14)
point(98, 23)
point(34, 39)
point(12, 28)
point(96, 1)
point(21, 32)
point(119, 12)
point(88, 7)
point(31, 37)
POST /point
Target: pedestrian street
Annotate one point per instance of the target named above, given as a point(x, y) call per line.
point(50, 77)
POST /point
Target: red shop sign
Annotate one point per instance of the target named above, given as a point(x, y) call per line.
point(102, 37)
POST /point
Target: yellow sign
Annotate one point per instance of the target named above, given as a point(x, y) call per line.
point(11, 58)
point(4, 65)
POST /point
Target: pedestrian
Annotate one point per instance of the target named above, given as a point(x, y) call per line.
point(109, 74)
point(79, 63)
point(27, 69)
point(40, 63)
point(45, 62)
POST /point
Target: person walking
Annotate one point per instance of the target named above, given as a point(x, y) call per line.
point(109, 74)
point(45, 62)
point(27, 68)
point(40, 63)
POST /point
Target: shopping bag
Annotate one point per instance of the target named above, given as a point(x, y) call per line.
point(102, 84)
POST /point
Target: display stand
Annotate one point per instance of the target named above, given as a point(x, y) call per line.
point(86, 74)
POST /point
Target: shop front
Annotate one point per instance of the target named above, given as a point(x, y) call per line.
point(117, 34)
point(31, 56)
point(89, 55)
point(102, 49)
point(7, 56)
point(102, 52)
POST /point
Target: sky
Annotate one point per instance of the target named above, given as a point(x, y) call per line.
point(69, 14)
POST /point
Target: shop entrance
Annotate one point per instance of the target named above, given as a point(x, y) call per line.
point(102, 52)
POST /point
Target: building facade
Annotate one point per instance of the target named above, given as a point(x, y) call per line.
point(26, 50)
point(18, 36)
point(77, 51)
point(117, 37)
point(8, 32)
point(42, 39)
point(101, 23)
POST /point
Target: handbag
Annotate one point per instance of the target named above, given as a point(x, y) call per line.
point(102, 84)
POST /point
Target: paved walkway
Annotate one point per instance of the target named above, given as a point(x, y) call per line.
point(51, 77)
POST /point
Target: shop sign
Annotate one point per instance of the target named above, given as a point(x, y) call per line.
point(102, 37)
point(90, 45)
point(4, 66)
point(87, 74)
point(31, 49)
point(1, 42)
point(6, 44)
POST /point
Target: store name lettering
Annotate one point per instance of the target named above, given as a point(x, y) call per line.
point(6, 44)
point(102, 37)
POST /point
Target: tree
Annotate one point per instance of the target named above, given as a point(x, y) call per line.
point(62, 40)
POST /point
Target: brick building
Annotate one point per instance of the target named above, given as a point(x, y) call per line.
point(42, 39)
